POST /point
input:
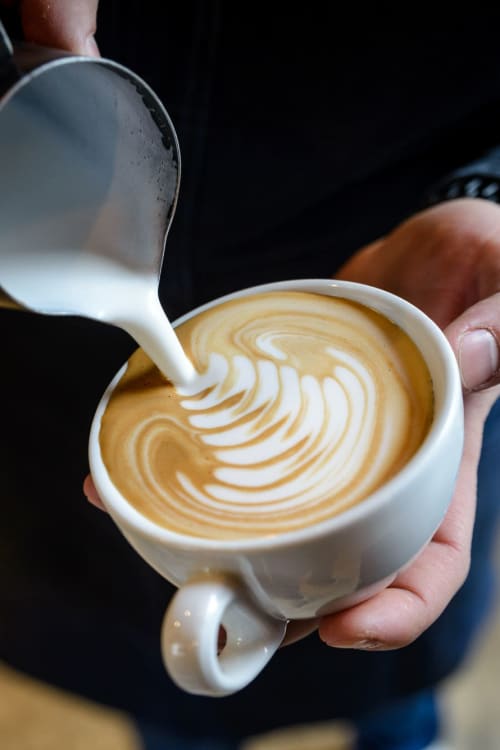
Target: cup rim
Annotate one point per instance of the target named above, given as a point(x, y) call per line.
point(129, 518)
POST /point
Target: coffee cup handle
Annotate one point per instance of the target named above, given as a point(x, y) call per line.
point(190, 637)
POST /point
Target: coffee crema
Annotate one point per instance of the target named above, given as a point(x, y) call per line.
point(304, 405)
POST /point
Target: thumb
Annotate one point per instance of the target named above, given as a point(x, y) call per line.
point(68, 26)
point(475, 338)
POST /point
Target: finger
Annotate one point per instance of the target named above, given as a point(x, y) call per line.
point(90, 493)
point(68, 26)
point(475, 338)
point(399, 614)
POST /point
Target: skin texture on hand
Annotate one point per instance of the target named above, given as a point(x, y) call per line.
point(445, 260)
point(59, 23)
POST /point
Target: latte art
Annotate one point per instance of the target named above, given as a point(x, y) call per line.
point(303, 406)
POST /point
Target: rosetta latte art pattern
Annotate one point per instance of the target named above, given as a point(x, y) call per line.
point(304, 405)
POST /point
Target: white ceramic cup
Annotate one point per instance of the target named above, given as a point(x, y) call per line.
point(254, 587)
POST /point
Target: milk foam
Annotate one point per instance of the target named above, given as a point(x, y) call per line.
point(303, 405)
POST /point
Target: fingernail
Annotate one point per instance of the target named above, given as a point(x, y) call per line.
point(91, 48)
point(366, 644)
point(478, 358)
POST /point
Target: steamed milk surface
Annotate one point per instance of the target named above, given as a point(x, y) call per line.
point(304, 405)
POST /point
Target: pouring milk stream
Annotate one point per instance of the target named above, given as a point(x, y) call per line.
point(90, 173)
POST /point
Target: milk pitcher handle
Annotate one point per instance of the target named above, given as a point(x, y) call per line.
point(190, 637)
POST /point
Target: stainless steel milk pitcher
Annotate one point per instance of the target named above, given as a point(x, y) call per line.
point(89, 168)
